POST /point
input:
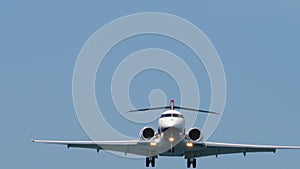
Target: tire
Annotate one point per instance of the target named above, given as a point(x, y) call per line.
point(188, 163)
point(147, 162)
point(194, 163)
point(153, 162)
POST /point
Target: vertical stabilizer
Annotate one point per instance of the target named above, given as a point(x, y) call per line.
point(172, 104)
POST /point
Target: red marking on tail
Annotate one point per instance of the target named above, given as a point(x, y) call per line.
point(172, 104)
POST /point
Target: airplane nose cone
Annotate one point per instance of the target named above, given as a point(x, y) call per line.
point(173, 123)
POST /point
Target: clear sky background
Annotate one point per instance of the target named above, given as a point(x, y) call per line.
point(258, 43)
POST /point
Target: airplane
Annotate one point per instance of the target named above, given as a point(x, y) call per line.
point(171, 139)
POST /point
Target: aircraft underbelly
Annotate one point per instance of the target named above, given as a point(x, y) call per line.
point(175, 151)
point(178, 150)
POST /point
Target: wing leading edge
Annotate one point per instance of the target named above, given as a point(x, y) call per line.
point(215, 148)
point(136, 147)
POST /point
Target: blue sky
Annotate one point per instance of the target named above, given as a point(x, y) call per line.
point(258, 43)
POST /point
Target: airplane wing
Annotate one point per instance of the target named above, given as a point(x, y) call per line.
point(136, 147)
point(143, 148)
point(214, 148)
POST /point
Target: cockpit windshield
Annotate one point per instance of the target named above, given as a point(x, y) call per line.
point(171, 115)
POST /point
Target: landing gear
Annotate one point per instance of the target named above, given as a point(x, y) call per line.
point(194, 163)
point(147, 162)
point(191, 161)
point(171, 150)
point(150, 160)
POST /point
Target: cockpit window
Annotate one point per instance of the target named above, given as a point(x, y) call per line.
point(165, 115)
point(171, 115)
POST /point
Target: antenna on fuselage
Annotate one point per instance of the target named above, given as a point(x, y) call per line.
point(173, 107)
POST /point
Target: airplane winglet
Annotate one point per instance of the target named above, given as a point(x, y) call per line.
point(31, 137)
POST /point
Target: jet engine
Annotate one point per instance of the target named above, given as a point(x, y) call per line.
point(147, 133)
point(194, 134)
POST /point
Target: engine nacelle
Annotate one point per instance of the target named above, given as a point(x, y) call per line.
point(194, 134)
point(147, 133)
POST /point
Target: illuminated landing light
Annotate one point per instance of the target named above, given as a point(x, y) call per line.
point(189, 145)
point(153, 144)
point(171, 139)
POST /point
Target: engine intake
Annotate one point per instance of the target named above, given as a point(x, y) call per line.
point(194, 134)
point(147, 133)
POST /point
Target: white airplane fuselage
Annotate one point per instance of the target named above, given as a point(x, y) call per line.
point(171, 118)
point(171, 131)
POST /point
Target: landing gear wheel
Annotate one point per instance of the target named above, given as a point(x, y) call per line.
point(147, 162)
point(194, 163)
point(188, 163)
point(153, 162)
point(150, 160)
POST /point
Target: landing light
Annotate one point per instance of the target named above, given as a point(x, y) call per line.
point(153, 144)
point(189, 144)
point(171, 139)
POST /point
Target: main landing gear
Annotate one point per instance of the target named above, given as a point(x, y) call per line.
point(191, 161)
point(150, 160)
